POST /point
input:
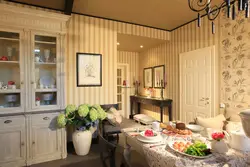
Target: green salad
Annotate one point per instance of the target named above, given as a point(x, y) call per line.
point(198, 149)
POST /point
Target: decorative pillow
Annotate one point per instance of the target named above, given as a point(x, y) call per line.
point(214, 123)
point(232, 114)
point(114, 116)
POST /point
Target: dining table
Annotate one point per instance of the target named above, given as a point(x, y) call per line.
point(161, 155)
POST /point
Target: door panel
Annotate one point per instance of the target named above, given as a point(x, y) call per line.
point(45, 141)
point(12, 145)
point(196, 83)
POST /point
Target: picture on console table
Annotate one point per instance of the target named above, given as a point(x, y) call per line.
point(88, 69)
point(159, 75)
point(148, 77)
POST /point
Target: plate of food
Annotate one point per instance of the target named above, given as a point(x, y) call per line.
point(197, 149)
point(172, 131)
point(149, 136)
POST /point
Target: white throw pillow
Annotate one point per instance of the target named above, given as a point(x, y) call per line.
point(233, 114)
point(114, 115)
point(214, 123)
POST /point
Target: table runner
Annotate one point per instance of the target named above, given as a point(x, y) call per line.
point(163, 156)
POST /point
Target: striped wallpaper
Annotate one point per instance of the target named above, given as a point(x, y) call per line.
point(184, 39)
point(88, 34)
point(94, 35)
point(132, 59)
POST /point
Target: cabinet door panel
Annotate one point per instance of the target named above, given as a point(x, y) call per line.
point(45, 141)
point(12, 145)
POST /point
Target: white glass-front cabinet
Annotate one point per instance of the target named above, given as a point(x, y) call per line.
point(45, 71)
point(11, 71)
point(31, 85)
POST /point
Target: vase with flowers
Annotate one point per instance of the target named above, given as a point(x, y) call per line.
point(85, 120)
point(218, 144)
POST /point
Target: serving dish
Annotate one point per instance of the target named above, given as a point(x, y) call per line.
point(195, 128)
point(171, 146)
point(149, 139)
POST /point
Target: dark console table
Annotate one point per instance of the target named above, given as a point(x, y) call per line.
point(153, 101)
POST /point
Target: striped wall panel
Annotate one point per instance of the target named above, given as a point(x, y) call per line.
point(91, 35)
point(132, 59)
point(184, 39)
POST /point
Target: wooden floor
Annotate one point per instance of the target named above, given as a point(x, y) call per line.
point(90, 160)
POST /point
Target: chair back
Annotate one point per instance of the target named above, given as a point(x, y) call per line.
point(107, 150)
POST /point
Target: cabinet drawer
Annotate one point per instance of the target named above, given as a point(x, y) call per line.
point(44, 119)
point(12, 121)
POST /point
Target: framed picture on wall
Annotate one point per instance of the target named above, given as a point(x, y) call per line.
point(148, 77)
point(159, 75)
point(88, 69)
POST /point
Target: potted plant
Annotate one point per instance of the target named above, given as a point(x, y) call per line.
point(85, 120)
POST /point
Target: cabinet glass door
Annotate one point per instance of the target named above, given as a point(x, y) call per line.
point(45, 74)
point(10, 71)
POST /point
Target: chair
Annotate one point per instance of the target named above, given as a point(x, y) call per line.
point(107, 149)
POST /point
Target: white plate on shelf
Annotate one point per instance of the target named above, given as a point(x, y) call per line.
point(47, 80)
point(171, 143)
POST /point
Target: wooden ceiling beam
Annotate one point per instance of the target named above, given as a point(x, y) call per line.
point(68, 7)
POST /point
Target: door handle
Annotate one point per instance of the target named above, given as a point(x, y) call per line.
point(46, 118)
point(7, 121)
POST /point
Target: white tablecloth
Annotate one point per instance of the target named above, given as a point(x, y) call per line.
point(163, 156)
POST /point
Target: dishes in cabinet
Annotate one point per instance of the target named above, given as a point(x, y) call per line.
point(47, 96)
point(10, 98)
point(47, 81)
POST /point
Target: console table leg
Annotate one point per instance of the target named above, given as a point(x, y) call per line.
point(161, 114)
point(139, 108)
point(131, 110)
point(170, 113)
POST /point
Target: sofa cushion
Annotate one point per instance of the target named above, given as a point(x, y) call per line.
point(232, 114)
point(114, 117)
point(214, 123)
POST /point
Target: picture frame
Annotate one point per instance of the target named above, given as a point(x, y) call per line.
point(159, 74)
point(148, 77)
point(88, 69)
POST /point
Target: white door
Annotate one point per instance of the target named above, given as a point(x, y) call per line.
point(198, 84)
point(123, 92)
point(120, 89)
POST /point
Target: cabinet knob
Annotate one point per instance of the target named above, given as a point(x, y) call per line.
point(32, 82)
point(46, 118)
point(22, 83)
point(7, 121)
point(33, 142)
point(22, 144)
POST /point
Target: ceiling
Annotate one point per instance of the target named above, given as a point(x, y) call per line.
point(133, 43)
point(162, 14)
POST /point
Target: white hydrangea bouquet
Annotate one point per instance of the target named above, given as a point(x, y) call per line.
point(82, 118)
